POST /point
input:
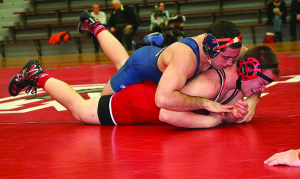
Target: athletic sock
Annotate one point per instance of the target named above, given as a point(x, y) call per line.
point(98, 27)
point(42, 80)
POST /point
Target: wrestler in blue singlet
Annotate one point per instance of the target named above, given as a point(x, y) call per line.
point(142, 65)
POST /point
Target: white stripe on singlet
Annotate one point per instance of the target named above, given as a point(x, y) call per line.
point(110, 112)
point(222, 75)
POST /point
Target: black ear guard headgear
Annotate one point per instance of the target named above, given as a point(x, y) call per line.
point(211, 45)
point(249, 68)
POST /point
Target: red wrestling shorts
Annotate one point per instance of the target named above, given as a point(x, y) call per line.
point(133, 105)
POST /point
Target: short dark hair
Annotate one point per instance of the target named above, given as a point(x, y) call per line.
point(265, 55)
point(225, 29)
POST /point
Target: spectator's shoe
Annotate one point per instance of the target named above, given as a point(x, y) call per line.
point(154, 38)
point(28, 76)
point(177, 19)
point(87, 23)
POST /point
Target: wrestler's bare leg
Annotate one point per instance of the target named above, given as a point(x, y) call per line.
point(109, 44)
point(82, 110)
point(107, 90)
point(115, 51)
point(112, 48)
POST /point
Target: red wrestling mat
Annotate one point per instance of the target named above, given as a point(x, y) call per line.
point(40, 139)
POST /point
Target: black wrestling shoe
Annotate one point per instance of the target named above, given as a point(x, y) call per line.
point(87, 23)
point(28, 76)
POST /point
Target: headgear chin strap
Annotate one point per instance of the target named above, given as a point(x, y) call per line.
point(212, 47)
point(249, 68)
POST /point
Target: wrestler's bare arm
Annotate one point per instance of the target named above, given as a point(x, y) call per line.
point(189, 119)
point(181, 66)
point(205, 85)
point(169, 95)
point(194, 120)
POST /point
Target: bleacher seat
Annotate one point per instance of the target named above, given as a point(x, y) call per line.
point(53, 16)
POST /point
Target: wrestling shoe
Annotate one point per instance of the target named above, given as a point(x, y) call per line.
point(28, 76)
point(88, 23)
point(154, 38)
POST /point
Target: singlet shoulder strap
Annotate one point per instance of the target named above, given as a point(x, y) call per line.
point(236, 91)
point(222, 76)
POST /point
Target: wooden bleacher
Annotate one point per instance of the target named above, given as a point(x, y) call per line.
point(58, 11)
point(77, 38)
point(48, 26)
point(37, 43)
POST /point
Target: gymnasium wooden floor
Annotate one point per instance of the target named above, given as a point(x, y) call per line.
point(40, 139)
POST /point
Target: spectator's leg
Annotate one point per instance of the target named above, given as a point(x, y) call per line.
point(119, 32)
point(128, 33)
point(293, 33)
point(118, 36)
point(280, 36)
point(278, 28)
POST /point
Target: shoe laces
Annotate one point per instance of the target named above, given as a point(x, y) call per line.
point(32, 86)
point(31, 83)
point(33, 91)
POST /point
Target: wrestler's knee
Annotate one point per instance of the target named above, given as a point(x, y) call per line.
point(89, 111)
point(84, 112)
point(79, 112)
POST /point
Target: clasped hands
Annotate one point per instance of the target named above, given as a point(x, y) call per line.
point(239, 110)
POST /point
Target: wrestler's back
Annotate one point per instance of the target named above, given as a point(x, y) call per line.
point(177, 49)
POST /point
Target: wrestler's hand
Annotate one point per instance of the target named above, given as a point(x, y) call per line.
point(112, 30)
point(252, 103)
point(216, 107)
point(240, 109)
point(289, 157)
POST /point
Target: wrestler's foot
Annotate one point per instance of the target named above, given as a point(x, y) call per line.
point(88, 23)
point(28, 76)
point(154, 38)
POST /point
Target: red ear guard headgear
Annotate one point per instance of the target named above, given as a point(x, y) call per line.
point(211, 45)
point(249, 68)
